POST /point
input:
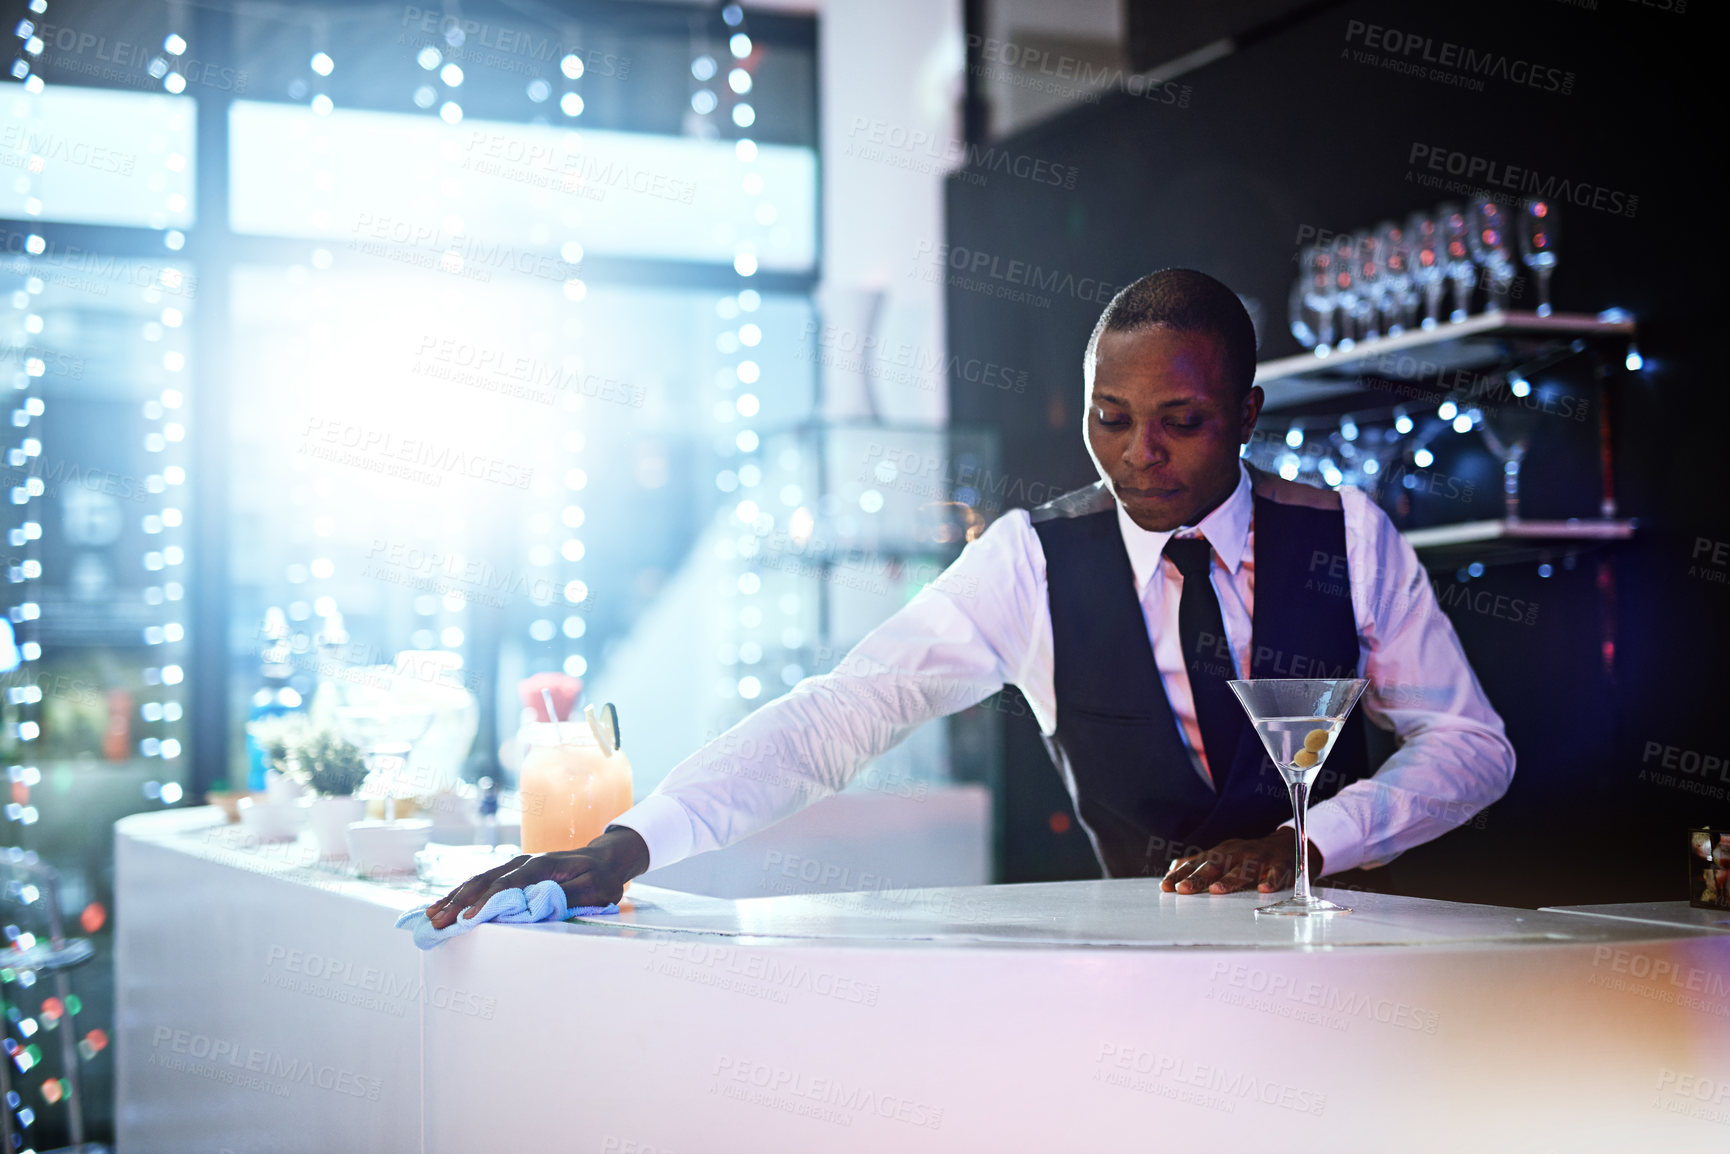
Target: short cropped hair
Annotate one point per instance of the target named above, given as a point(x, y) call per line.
point(1189, 302)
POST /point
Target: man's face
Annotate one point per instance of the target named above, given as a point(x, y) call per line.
point(1163, 425)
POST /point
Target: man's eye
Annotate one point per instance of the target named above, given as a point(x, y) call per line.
point(1113, 419)
point(1184, 424)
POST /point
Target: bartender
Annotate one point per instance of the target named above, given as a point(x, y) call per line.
point(1120, 611)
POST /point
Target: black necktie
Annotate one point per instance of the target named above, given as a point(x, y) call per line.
point(1207, 657)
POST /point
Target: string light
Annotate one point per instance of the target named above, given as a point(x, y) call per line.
point(24, 535)
point(754, 515)
point(571, 102)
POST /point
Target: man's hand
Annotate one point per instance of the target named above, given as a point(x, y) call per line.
point(1231, 865)
point(592, 876)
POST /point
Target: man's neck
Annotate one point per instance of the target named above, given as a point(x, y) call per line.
point(1207, 510)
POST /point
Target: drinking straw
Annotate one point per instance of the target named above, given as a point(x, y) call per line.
point(553, 716)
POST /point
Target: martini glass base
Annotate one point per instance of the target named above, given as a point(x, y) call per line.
point(1295, 907)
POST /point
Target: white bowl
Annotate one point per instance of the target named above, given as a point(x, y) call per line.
point(387, 848)
point(271, 820)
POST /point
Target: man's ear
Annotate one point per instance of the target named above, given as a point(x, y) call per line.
point(1251, 412)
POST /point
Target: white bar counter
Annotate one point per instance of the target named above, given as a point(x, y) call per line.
point(266, 1004)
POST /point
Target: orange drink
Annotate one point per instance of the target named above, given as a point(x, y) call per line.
point(570, 786)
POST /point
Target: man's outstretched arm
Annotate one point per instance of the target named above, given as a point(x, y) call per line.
point(956, 643)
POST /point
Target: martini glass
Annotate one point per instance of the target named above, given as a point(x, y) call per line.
point(386, 732)
point(1298, 720)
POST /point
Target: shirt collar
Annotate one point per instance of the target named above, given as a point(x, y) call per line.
point(1226, 529)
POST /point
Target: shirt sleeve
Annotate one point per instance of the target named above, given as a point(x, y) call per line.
point(958, 641)
point(1454, 757)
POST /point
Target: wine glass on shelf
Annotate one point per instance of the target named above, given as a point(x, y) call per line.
point(1399, 301)
point(1456, 238)
point(1367, 250)
point(1491, 248)
point(1370, 452)
point(1507, 431)
point(1429, 268)
point(1345, 279)
point(1298, 721)
point(1538, 246)
point(1319, 292)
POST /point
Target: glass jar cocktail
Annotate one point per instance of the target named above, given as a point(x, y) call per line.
point(570, 786)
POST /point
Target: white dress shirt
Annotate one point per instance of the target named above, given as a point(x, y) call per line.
point(986, 622)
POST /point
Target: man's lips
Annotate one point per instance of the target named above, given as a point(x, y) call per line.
point(1149, 494)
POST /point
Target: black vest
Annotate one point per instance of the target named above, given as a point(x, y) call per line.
point(1118, 744)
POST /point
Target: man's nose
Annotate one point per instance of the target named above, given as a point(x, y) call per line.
point(1144, 447)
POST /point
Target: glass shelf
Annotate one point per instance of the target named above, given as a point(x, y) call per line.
point(1444, 547)
point(1488, 341)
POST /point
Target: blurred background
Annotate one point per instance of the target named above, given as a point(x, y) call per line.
point(671, 347)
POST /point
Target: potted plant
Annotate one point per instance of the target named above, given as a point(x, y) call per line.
point(275, 815)
point(331, 769)
point(225, 799)
point(278, 737)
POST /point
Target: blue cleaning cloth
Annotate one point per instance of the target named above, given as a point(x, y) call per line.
point(541, 902)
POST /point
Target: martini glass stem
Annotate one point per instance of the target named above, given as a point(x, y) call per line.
point(1300, 798)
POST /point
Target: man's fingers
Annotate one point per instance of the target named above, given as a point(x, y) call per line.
point(1275, 877)
point(466, 902)
point(1198, 878)
point(444, 911)
point(1240, 875)
point(486, 896)
point(481, 880)
point(1180, 869)
point(513, 875)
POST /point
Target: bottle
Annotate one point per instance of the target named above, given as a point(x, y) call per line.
point(569, 785)
point(489, 810)
point(117, 737)
point(277, 696)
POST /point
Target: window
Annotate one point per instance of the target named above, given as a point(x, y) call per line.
point(97, 157)
point(319, 353)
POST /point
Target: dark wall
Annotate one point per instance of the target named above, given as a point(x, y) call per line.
point(1609, 693)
